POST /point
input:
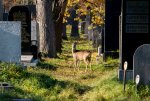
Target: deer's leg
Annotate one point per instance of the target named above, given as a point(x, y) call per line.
point(86, 64)
point(86, 67)
point(89, 63)
point(90, 66)
point(78, 65)
point(75, 64)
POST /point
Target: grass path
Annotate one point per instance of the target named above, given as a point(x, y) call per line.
point(55, 80)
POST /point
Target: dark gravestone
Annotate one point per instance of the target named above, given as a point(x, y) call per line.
point(141, 63)
point(111, 32)
point(75, 30)
point(87, 20)
point(135, 29)
point(97, 37)
point(22, 13)
point(1, 10)
point(64, 35)
point(5, 16)
point(32, 9)
point(82, 27)
point(74, 23)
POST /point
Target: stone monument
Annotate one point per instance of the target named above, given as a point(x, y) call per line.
point(10, 41)
point(134, 30)
point(141, 63)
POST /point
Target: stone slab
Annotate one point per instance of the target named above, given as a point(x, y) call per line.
point(141, 63)
point(26, 58)
point(21, 100)
point(129, 74)
point(10, 41)
point(34, 30)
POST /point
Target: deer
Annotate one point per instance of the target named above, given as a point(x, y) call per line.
point(81, 55)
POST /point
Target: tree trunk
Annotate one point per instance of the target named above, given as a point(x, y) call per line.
point(47, 36)
point(59, 10)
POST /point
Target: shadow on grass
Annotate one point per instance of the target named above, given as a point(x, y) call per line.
point(49, 83)
point(44, 65)
point(41, 81)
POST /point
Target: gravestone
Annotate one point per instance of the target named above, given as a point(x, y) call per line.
point(111, 32)
point(87, 20)
point(64, 35)
point(97, 37)
point(34, 30)
point(34, 39)
point(141, 63)
point(90, 32)
point(22, 13)
point(10, 41)
point(1, 11)
point(5, 16)
point(134, 30)
point(74, 24)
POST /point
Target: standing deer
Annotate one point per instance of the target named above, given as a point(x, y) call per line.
point(79, 55)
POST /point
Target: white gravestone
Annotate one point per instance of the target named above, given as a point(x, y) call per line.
point(34, 30)
point(141, 63)
point(10, 41)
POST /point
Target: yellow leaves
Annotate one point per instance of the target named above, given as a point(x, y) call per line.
point(64, 20)
point(76, 19)
point(97, 9)
point(97, 20)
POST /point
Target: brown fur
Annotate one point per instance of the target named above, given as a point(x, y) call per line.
point(79, 55)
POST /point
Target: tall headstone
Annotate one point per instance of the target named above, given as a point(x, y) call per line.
point(141, 63)
point(134, 29)
point(34, 30)
point(22, 13)
point(97, 37)
point(10, 41)
point(111, 32)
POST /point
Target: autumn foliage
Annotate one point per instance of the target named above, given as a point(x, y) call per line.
point(95, 8)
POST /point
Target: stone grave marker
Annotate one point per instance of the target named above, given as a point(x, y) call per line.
point(111, 31)
point(10, 41)
point(22, 13)
point(97, 37)
point(141, 63)
point(34, 30)
point(134, 30)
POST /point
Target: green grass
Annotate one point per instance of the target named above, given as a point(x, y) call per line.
point(55, 80)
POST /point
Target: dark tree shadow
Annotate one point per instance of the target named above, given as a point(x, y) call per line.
point(44, 65)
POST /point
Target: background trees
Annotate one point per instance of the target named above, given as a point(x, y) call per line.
point(51, 14)
point(85, 7)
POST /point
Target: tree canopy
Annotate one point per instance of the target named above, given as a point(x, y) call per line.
point(83, 7)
